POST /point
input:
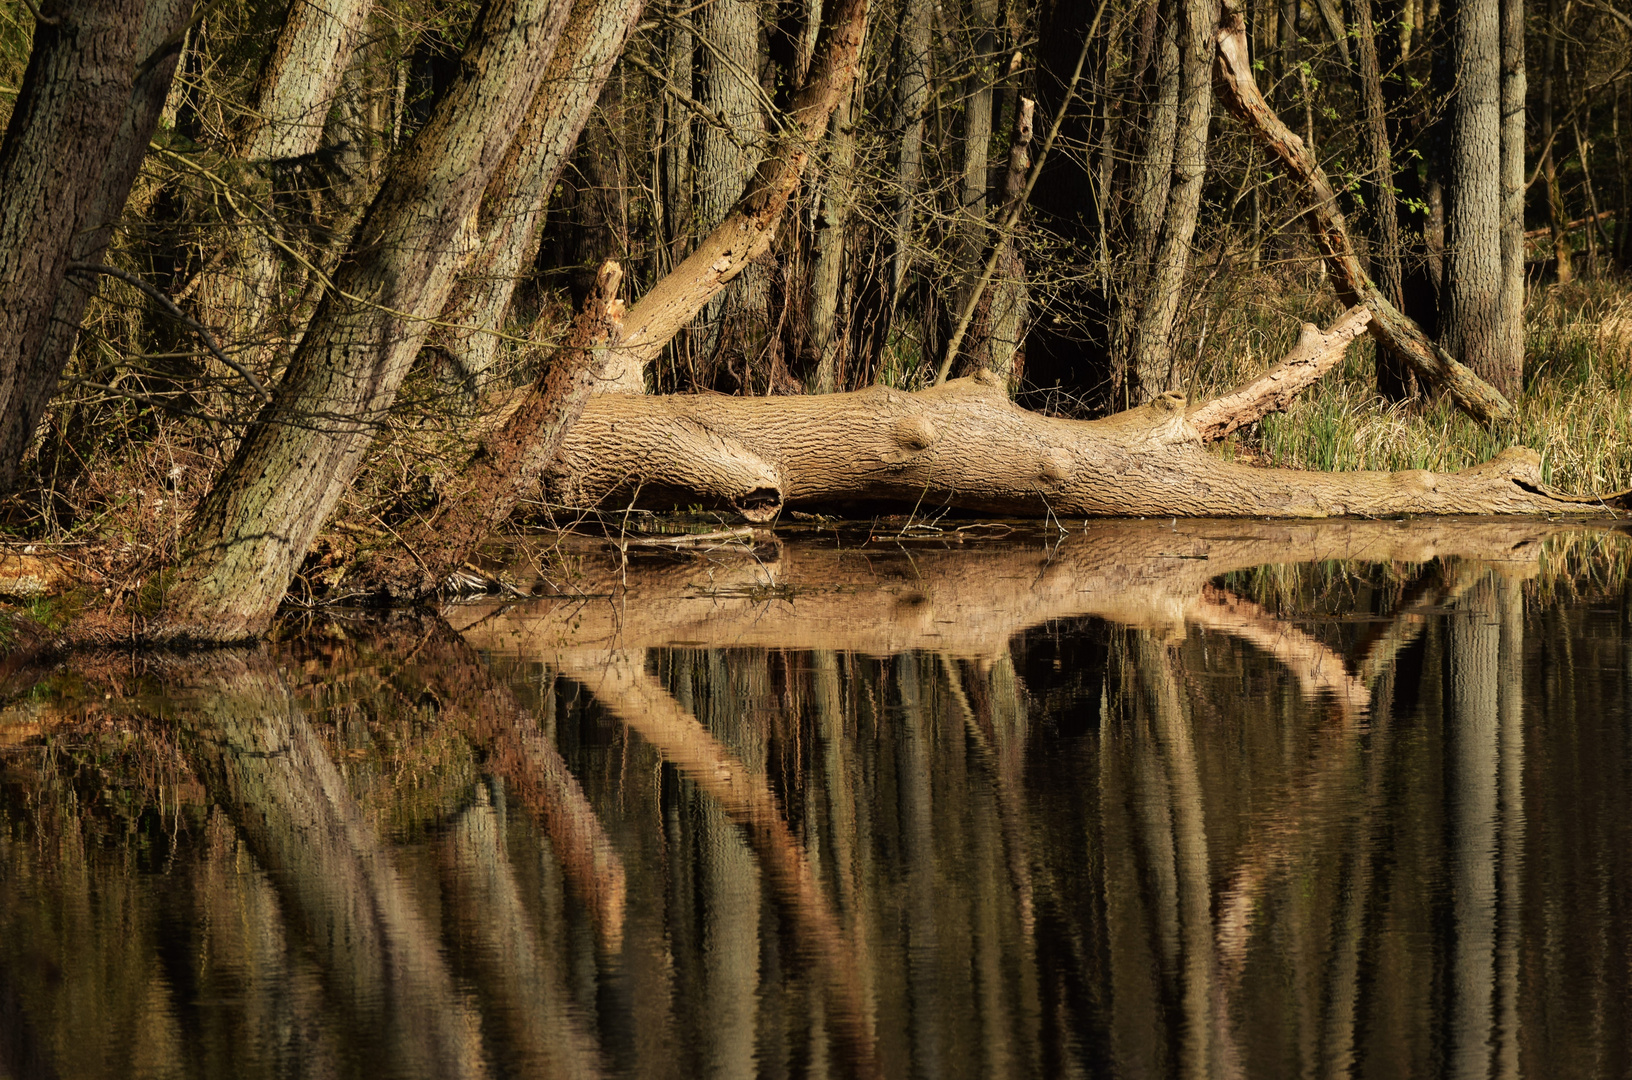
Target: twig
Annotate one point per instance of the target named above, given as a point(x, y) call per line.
point(39, 16)
point(1013, 215)
point(176, 313)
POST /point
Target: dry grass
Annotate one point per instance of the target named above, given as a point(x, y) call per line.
point(1576, 409)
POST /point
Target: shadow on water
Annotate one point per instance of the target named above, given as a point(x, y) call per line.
point(1193, 799)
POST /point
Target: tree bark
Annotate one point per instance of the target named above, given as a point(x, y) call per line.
point(1393, 375)
point(1557, 217)
point(729, 33)
point(95, 85)
point(965, 444)
point(1471, 326)
point(1514, 92)
point(828, 271)
point(1152, 355)
point(1392, 329)
point(519, 193)
point(251, 532)
point(1006, 317)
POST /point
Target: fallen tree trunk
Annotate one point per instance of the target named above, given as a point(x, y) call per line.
point(1393, 329)
point(965, 444)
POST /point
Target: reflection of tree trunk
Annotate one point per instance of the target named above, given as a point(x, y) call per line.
point(1198, 993)
point(916, 807)
point(260, 760)
point(521, 978)
point(1511, 825)
point(621, 685)
point(1473, 755)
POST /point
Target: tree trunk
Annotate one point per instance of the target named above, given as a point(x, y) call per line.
point(1393, 375)
point(284, 122)
point(1389, 326)
point(828, 272)
point(1514, 92)
point(965, 444)
point(911, 99)
point(95, 85)
point(1007, 316)
point(729, 33)
point(1558, 217)
point(1148, 204)
point(250, 534)
point(1471, 327)
point(970, 223)
point(517, 196)
point(1152, 356)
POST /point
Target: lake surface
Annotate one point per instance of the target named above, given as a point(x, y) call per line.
point(1139, 799)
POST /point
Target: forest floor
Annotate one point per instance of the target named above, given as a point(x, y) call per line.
point(1575, 410)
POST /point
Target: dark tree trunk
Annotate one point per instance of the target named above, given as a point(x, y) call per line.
point(96, 82)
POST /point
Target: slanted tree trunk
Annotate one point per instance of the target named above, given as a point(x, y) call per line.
point(1471, 326)
point(607, 350)
point(251, 532)
point(517, 196)
point(239, 296)
point(95, 85)
point(1392, 329)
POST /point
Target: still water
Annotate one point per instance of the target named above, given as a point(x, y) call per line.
point(1138, 800)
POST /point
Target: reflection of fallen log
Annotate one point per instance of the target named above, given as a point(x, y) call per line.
point(1318, 670)
point(260, 761)
point(619, 682)
point(966, 444)
point(969, 601)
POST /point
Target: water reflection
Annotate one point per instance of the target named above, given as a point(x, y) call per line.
point(1187, 799)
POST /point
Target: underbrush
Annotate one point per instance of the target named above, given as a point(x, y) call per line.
point(1575, 410)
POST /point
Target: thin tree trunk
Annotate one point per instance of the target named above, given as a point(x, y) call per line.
point(1557, 217)
point(251, 532)
point(912, 97)
point(970, 222)
point(1151, 355)
point(96, 82)
point(828, 273)
point(1514, 92)
point(1471, 327)
point(1006, 319)
point(1393, 375)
